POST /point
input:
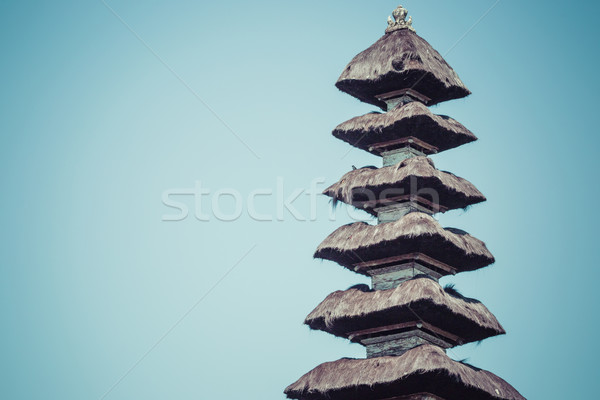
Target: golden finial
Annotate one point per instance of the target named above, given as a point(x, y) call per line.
point(399, 21)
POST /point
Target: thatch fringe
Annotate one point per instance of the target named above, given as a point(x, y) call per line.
point(401, 60)
point(413, 119)
point(415, 232)
point(423, 369)
point(416, 175)
point(353, 310)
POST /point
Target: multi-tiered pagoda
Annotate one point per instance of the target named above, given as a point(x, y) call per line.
point(405, 320)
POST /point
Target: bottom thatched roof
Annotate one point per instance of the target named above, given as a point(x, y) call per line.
point(425, 368)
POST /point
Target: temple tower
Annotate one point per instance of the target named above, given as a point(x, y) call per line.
point(405, 320)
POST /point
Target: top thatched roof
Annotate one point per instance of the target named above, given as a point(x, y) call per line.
point(423, 369)
point(401, 60)
point(413, 119)
point(414, 233)
point(352, 310)
point(413, 176)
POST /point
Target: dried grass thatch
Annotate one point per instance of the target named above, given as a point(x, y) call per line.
point(412, 119)
point(413, 176)
point(414, 233)
point(352, 310)
point(423, 369)
point(401, 60)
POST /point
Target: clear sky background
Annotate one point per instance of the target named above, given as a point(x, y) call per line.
point(101, 299)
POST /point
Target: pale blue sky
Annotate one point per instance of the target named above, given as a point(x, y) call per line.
point(95, 128)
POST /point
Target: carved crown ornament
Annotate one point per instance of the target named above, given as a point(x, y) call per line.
point(399, 21)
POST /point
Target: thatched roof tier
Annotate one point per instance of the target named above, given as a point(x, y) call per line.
point(414, 233)
point(421, 299)
point(369, 188)
point(410, 120)
point(423, 369)
point(401, 60)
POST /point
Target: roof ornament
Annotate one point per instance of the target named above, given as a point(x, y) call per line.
point(399, 21)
